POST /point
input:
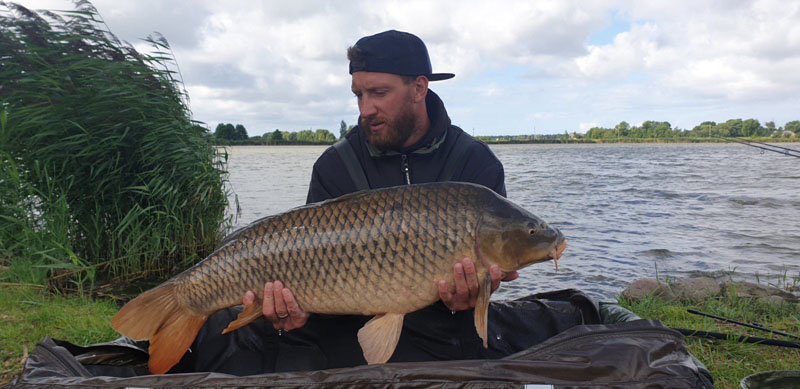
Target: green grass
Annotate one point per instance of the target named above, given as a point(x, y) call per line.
point(28, 314)
point(730, 361)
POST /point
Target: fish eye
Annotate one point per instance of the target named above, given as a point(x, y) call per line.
point(532, 229)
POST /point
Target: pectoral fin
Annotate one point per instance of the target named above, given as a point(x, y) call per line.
point(378, 338)
point(250, 313)
point(482, 309)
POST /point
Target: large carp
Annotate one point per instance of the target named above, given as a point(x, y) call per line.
point(378, 252)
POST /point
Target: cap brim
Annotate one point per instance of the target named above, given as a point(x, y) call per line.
point(439, 76)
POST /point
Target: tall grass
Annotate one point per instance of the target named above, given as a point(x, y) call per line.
point(103, 174)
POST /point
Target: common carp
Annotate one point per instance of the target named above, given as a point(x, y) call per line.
point(378, 252)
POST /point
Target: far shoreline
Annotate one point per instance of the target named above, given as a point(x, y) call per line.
point(491, 141)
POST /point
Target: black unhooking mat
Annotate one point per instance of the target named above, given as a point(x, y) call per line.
point(562, 338)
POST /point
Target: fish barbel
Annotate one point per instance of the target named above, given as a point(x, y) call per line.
point(378, 252)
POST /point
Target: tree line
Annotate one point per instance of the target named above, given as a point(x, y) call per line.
point(650, 129)
point(707, 129)
point(237, 134)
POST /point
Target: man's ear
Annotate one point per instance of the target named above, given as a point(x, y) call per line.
point(420, 88)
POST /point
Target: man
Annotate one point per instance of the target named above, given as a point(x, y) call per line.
point(403, 136)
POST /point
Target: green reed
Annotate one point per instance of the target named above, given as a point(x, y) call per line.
point(103, 173)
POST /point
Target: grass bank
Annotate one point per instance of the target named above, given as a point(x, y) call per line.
point(28, 314)
point(729, 361)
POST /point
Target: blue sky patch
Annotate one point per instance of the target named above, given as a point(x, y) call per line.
point(616, 24)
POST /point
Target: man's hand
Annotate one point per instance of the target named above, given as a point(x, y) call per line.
point(466, 283)
point(279, 307)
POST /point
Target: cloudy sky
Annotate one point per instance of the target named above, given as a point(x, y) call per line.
point(521, 67)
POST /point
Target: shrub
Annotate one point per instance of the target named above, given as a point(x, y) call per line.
point(102, 171)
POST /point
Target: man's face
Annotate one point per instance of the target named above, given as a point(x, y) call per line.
point(386, 106)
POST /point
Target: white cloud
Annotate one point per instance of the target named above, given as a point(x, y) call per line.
point(278, 64)
point(490, 90)
point(543, 115)
point(736, 51)
point(631, 51)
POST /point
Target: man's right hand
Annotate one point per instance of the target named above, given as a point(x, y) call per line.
point(279, 307)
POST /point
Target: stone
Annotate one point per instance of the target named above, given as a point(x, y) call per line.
point(698, 288)
point(751, 290)
point(772, 299)
point(639, 289)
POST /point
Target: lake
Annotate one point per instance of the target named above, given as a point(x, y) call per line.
point(628, 210)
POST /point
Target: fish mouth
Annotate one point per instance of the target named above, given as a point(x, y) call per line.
point(557, 250)
point(555, 253)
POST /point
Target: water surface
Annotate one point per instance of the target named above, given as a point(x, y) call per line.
point(628, 211)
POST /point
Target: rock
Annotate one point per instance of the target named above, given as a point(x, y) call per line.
point(698, 288)
point(645, 287)
point(772, 299)
point(749, 289)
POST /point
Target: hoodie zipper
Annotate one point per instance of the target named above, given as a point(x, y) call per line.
point(404, 168)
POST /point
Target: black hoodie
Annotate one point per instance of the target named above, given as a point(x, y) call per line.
point(426, 160)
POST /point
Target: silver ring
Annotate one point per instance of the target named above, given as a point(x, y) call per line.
point(283, 317)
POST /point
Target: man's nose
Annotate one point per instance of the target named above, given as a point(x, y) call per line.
point(367, 107)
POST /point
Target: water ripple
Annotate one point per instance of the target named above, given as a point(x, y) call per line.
point(628, 211)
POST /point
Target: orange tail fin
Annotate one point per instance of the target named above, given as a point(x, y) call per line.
point(157, 316)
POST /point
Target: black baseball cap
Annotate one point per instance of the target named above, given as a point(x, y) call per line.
point(395, 52)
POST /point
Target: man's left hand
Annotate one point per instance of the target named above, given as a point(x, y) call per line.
point(466, 282)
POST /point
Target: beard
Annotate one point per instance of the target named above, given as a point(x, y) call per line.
point(397, 130)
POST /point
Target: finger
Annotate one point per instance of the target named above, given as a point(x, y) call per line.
point(297, 317)
point(495, 274)
point(444, 294)
point(462, 291)
point(268, 306)
point(511, 276)
point(471, 278)
point(248, 297)
point(280, 304)
point(291, 304)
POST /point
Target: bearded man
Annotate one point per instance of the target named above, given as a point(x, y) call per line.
point(404, 136)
